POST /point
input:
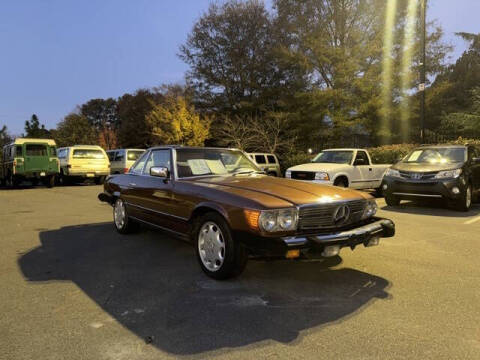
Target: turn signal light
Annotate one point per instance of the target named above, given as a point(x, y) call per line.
point(252, 218)
point(125, 170)
point(292, 254)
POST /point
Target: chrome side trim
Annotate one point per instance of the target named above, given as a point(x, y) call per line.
point(160, 227)
point(419, 195)
point(156, 211)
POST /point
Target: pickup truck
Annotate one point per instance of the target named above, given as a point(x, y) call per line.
point(341, 167)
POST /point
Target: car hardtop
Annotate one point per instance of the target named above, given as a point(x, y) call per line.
point(345, 149)
point(449, 146)
point(21, 141)
point(126, 149)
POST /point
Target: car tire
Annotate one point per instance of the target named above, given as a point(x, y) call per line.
point(219, 255)
point(341, 182)
point(122, 222)
point(392, 200)
point(49, 181)
point(99, 180)
point(465, 202)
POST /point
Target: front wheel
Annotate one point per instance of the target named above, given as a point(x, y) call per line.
point(123, 223)
point(392, 200)
point(219, 255)
point(465, 202)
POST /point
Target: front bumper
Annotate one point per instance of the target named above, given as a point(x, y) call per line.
point(411, 189)
point(367, 234)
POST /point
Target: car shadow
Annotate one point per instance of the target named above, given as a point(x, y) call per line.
point(152, 285)
point(432, 207)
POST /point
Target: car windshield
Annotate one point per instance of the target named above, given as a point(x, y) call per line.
point(199, 162)
point(436, 156)
point(134, 154)
point(88, 154)
point(334, 157)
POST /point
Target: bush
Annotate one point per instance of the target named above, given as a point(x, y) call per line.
point(294, 158)
point(390, 154)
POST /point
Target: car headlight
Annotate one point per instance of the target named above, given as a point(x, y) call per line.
point(288, 174)
point(370, 209)
point(322, 176)
point(392, 173)
point(449, 174)
point(273, 220)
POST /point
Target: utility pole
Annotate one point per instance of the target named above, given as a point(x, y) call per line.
point(421, 87)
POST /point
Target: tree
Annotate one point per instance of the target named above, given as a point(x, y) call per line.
point(133, 130)
point(233, 64)
point(5, 138)
point(33, 129)
point(102, 114)
point(175, 122)
point(75, 129)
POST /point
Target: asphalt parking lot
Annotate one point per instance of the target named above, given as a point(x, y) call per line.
point(72, 288)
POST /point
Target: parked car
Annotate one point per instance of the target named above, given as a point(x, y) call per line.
point(267, 162)
point(29, 159)
point(122, 159)
point(449, 172)
point(229, 209)
point(81, 162)
point(341, 167)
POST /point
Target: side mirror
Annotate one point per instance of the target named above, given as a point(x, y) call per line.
point(160, 171)
point(359, 162)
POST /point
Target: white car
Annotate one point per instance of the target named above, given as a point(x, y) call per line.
point(341, 167)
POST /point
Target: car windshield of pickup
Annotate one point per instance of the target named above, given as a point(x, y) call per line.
point(334, 157)
point(436, 156)
point(201, 162)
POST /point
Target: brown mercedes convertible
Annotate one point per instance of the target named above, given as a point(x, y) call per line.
point(220, 201)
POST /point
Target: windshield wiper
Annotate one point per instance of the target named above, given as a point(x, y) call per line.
point(248, 172)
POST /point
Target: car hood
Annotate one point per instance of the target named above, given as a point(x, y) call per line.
point(267, 190)
point(425, 167)
point(318, 167)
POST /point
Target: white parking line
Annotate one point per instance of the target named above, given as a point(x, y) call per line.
point(471, 221)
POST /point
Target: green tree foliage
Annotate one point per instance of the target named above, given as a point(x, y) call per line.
point(75, 129)
point(174, 121)
point(102, 115)
point(234, 64)
point(133, 130)
point(33, 129)
point(5, 138)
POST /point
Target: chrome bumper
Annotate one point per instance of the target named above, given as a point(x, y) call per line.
point(353, 237)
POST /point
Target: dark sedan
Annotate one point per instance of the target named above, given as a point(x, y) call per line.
point(449, 172)
point(220, 201)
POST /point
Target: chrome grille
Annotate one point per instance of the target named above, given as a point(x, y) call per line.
point(418, 175)
point(314, 217)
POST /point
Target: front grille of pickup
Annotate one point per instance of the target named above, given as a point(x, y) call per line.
point(318, 217)
point(303, 175)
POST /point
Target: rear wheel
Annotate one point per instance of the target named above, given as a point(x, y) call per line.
point(122, 222)
point(392, 200)
point(219, 255)
point(49, 181)
point(465, 202)
point(99, 180)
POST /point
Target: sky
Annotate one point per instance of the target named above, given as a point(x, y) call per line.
point(57, 54)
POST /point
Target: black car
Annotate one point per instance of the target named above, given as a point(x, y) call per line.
point(449, 172)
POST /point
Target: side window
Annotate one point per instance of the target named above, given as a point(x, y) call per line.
point(53, 151)
point(271, 159)
point(62, 153)
point(363, 157)
point(260, 159)
point(111, 155)
point(158, 158)
point(120, 155)
point(18, 151)
point(138, 166)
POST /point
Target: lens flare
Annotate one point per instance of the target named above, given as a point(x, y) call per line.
point(406, 71)
point(387, 71)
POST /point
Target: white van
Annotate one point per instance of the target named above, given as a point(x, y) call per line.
point(267, 162)
point(122, 159)
point(81, 162)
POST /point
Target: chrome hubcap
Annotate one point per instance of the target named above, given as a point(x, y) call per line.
point(211, 246)
point(119, 214)
point(469, 197)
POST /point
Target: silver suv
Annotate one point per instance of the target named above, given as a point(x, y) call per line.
point(267, 162)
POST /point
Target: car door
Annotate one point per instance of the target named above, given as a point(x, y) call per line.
point(362, 170)
point(128, 187)
point(155, 195)
point(473, 156)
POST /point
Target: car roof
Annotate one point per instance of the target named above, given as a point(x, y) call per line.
point(125, 149)
point(260, 153)
point(92, 147)
point(345, 149)
point(441, 146)
point(21, 141)
point(189, 147)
